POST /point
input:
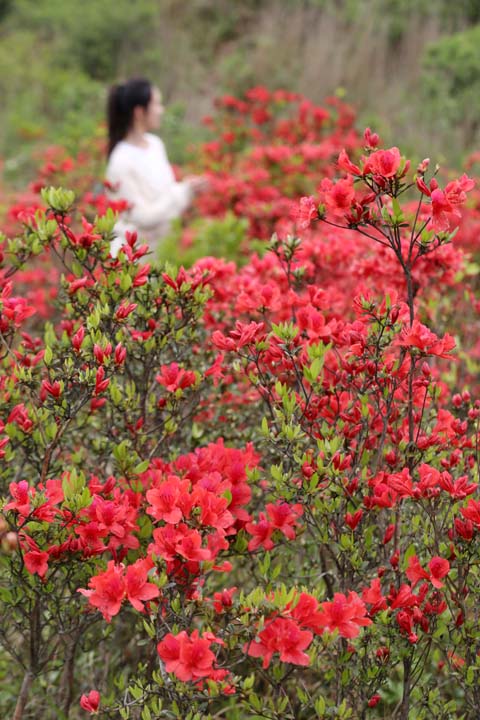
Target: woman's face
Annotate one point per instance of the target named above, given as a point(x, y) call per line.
point(154, 110)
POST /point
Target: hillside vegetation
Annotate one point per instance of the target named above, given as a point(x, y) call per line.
point(411, 68)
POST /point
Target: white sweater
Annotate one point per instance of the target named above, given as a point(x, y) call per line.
point(144, 178)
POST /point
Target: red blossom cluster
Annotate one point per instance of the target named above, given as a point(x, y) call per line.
point(190, 657)
point(109, 589)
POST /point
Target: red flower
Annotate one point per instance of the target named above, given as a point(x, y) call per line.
point(307, 614)
point(242, 335)
point(352, 520)
point(373, 596)
point(170, 541)
point(371, 139)
point(14, 309)
point(172, 377)
point(189, 658)
point(464, 528)
point(138, 589)
point(345, 614)
point(213, 509)
point(190, 547)
point(282, 635)
point(141, 278)
point(120, 354)
point(459, 488)
point(421, 337)
point(223, 600)
point(78, 339)
point(389, 533)
point(472, 511)
point(415, 572)
point(383, 162)
point(456, 191)
point(91, 701)
point(170, 500)
point(54, 389)
point(338, 197)
point(405, 623)
point(79, 283)
point(124, 310)
point(87, 238)
point(36, 562)
point(101, 383)
point(344, 163)
point(19, 415)
point(445, 216)
point(102, 353)
point(107, 590)
point(283, 517)
point(262, 532)
point(403, 598)
point(20, 493)
point(305, 212)
point(439, 567)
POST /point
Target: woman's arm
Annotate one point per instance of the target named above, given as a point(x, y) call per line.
point(145, 215)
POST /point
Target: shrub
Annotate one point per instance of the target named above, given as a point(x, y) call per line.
point(245, 491)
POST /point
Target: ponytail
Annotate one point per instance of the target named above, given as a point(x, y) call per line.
point(122, 101)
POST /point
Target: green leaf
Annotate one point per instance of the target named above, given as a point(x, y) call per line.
point(141, 467)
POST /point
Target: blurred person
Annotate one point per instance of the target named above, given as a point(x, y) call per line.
point(138, 169)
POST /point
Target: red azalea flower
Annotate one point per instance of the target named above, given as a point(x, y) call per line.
point(439, 568)
point(344, 163)
point(419, 336)
point(445, 216)
point(36, 562)
point(283, 517)
point(107, 590)
point(281, 635)
point(137, 588)
point(170, 500)
point(345, 614)
point(383, 162)
point(91, 701)
point(338, 197)
point(189, 658)
point(173, 377)
point(305, 212)
point(262, 532)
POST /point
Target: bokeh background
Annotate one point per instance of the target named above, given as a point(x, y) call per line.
point(410, 67)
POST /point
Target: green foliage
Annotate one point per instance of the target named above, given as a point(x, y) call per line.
point(451, 80)
point(42, 100)
point(59, 56)
point(211, 237)
point(89, 37)
point(57, 60)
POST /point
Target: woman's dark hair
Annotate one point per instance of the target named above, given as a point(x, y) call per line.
point(122, 101)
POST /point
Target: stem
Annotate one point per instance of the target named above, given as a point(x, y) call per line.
point(410, 292)
point(66, 684)
point(359, 230)
point(23, 697)
point(411, 372)
point(35, 631)
point(405, 706)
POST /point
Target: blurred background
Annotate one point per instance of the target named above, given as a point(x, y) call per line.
point(411, 68)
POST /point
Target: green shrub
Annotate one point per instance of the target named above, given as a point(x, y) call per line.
point(451, 81)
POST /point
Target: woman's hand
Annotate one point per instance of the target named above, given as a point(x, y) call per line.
point(197, 183)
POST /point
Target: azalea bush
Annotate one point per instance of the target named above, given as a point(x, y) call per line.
point(245, 490)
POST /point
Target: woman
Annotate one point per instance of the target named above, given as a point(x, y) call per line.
point(138, 170)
